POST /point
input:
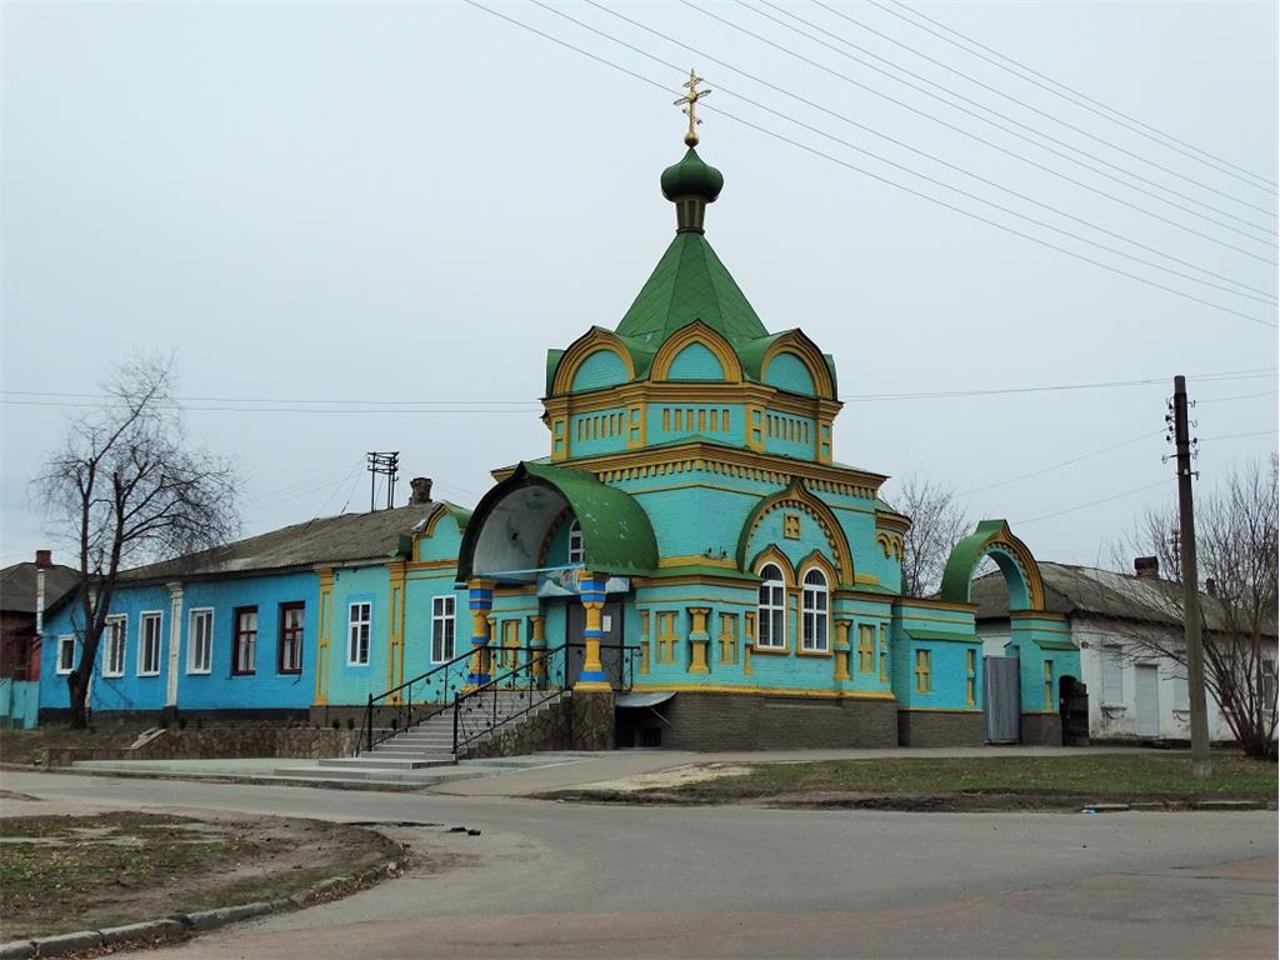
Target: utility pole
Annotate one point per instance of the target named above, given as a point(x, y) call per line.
point(1200, 765)
point(385, 463)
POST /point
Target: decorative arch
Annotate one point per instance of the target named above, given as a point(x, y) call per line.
point(794, 343)
point(591, 342)
point(994, 539)
point(772, 554)
point(444, 509)
point(796, 497)
point(817, 559)
point(891, 543)
point(697, 332)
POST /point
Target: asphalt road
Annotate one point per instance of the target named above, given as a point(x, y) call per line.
point(567, 880)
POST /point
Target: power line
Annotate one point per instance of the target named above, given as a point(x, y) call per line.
point(1083, 96)
point(980, 139)
point(1065, 463)
point(882, 179)
point(999, 391)
point(1242, 396)
point(367, 411)
point(289, 400)
point(1091, 503)
point(1237, 436)
point(1043, 113)
point(1265, 296)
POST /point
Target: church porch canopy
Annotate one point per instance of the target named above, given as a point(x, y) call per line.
point(512, 526)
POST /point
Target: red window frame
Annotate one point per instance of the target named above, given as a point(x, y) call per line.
point(238, 636)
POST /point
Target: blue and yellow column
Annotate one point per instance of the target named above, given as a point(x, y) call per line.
point(592, 677)
point(481, 602)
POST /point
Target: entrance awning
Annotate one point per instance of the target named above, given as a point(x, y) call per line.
point(643, 699)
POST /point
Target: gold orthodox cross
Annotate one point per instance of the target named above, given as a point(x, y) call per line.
point(690, 110)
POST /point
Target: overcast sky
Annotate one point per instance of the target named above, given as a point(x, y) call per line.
point(409, 203)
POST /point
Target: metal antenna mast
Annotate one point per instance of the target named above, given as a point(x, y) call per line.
point(382, 463)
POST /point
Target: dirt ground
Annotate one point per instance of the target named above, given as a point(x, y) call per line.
point(67, 866)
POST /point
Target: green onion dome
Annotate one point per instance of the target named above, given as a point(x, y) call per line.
point(691, 185)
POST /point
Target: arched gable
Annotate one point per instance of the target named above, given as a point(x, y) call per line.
point(696, 332)
point(602, 368)
point(582, 352)
point(788, 372)
point(994, 539)
point(800, 349)
point(796, 497)
point(819, 560)
point(695, 362)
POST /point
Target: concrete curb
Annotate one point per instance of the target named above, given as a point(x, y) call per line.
point(181, 926)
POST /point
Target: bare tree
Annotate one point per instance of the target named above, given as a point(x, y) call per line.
point(128, 489)
point(1236, 537)
point(937, 523)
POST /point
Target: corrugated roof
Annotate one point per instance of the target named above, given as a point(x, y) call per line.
point(18, 586)
point(1071, 589)
point(346, 538)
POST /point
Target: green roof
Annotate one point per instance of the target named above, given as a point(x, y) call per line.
point(690, 283)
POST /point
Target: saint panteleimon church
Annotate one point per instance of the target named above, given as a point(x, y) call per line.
point(689, 565)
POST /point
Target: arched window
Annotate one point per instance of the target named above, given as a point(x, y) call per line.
point(576, 553)
point(773, 609)
point(814, 607)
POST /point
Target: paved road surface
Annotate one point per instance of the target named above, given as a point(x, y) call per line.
point(562, 880)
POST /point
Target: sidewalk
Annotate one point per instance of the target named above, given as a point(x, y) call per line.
point(536, 773)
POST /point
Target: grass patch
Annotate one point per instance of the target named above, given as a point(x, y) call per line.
point(1102, 777)
point(65, 873)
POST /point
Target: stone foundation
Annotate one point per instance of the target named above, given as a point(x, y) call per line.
point(580, 721)
point(940, 728)
point(207, 742)
point(730, 721)
point(1041, 730)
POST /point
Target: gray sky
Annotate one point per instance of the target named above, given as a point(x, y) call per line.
point(412, 202)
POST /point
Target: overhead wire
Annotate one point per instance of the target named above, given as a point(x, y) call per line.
point(1264, 295)
point(1146, 435)
point(1033, 109)
point(1091, 503)
point(878, 177)
point(983, 140)
point(1091, 103)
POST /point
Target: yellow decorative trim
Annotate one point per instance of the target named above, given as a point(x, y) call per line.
point(797, 497)
point(590, 342)
point(796, 692)
point(892, 522)
point(699, 639)
point(772, 554)
point(807, 352)
point(696, 332)
point(696, 560)
point(939, 710)
point(324, 620)
point(892, 545)
point(431, 565)
point(1037, 615)
point(644, 642)
point(907, 602)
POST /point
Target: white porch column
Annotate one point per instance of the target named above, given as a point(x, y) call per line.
point(175, 644)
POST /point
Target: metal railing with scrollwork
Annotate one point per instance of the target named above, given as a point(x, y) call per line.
point(436, 690)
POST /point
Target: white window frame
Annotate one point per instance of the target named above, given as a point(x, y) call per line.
point(1112, 663)
point(115, 629)
point(359, 631)
point(576, 552)
point(815, 612)
point(67, 640)
point(444, 627)
point(145, 617)
point(193, 648)
point(771, 606)
point(1181, 689)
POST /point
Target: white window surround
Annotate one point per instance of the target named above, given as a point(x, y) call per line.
point(113, 641)
point(145, 619)
point(443, 628)
point(66, 643)
point(359, 629)
point(772, 605)
point(815, 612)
point(576, 553)
point(1112, 666)
point(200, 640)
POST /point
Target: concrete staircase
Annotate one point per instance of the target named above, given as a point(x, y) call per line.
point(427, 745)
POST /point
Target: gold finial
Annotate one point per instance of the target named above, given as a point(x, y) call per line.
point(690, 110)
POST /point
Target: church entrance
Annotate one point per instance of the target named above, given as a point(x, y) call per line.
point(611, 652)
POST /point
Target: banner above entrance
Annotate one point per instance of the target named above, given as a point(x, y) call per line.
point(564, 582)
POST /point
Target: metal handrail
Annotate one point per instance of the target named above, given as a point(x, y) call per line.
point(366, 739)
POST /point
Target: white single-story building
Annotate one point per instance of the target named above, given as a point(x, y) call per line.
point(1119, 622)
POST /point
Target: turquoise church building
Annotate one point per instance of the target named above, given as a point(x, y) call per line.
point(688, 561)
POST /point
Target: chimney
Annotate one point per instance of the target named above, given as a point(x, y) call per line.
point(1147, 568)
point(419, 490)
point(44, 558)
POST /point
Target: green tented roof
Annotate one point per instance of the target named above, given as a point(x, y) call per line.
point(690, 283)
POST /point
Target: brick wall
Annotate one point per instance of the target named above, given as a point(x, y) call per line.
point(706, 721)
point(936, 728)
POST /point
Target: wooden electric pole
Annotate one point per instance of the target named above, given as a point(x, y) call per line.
point(1200, 765)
